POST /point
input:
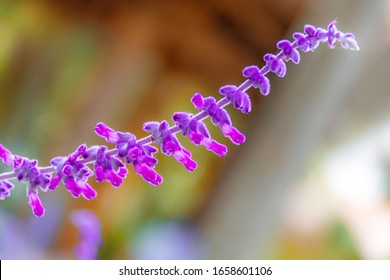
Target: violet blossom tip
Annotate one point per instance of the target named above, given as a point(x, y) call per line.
point(215, 147)
point(88, 192)
point(5, 189)
point(35, 203)
point(7, 157)
point(54, 182)
point(185, 159)
point(348, 42)
point(234, 135)
point(198, 101)
point(73, 187)
point(148, 174)
point(150, 126)
point(106, 132)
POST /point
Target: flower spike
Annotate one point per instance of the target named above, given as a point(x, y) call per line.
point(110, 165)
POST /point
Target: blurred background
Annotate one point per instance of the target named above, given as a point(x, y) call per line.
point(312, 180)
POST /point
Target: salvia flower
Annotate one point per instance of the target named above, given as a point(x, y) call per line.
point(110, 165)
point(198, 133)
point(169, 144)
point(5, 189)
point(6, 156)
point(275, 64)
point(103, 130)
point(140, 156)
point(219, 117)
point(143, 161)
point(74, 174)
point(27, 170)
point(311, 38)
point(35, 202)
point(239, 99)
point(258, 80)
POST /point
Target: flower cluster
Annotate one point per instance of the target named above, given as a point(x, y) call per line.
point(25, 170)
point(111, 165)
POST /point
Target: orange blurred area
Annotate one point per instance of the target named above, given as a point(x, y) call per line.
point(66, 65)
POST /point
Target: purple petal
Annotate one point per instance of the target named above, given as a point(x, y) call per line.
point(198, 101)
point(284, 45)
point(251, 72)
point(195, 137)
point(73, 187)
point(35, 203)
point(122, 172)
point(214, 147)
point(281, 70)
point(228, 89)
point(5, 189)
point(99, 174)
point(264, 86)
point(104, 131)
point(149, 174)
point(88, 192)
point(170, 146)
point(180, 117)
point(246, 106)
point(235, 136)
point(310, 30)
point(295, 56)
point(182, 156)
point(6, 156)
point(114, 179)
point(58, 161)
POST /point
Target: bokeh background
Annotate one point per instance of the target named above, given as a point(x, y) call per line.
point(311, 182)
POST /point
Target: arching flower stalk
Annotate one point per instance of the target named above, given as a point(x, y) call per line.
point(111, 165)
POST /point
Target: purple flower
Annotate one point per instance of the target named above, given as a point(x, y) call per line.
point(27, 171)
point(311, 38)
point(239, 99)
point(141, 156)
point(35, 202)
point(74, 174)
point(259, 81)
point(219, 117)
point(90, 236)
point(103, 130)
point(143, 161)
point(289, 52)
point(109, 167)
point(348, 42)
point(332, 34)
point(5, 189)
point(198, 133)
point(169, 144)
point(6, 156)
point(275, 64)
